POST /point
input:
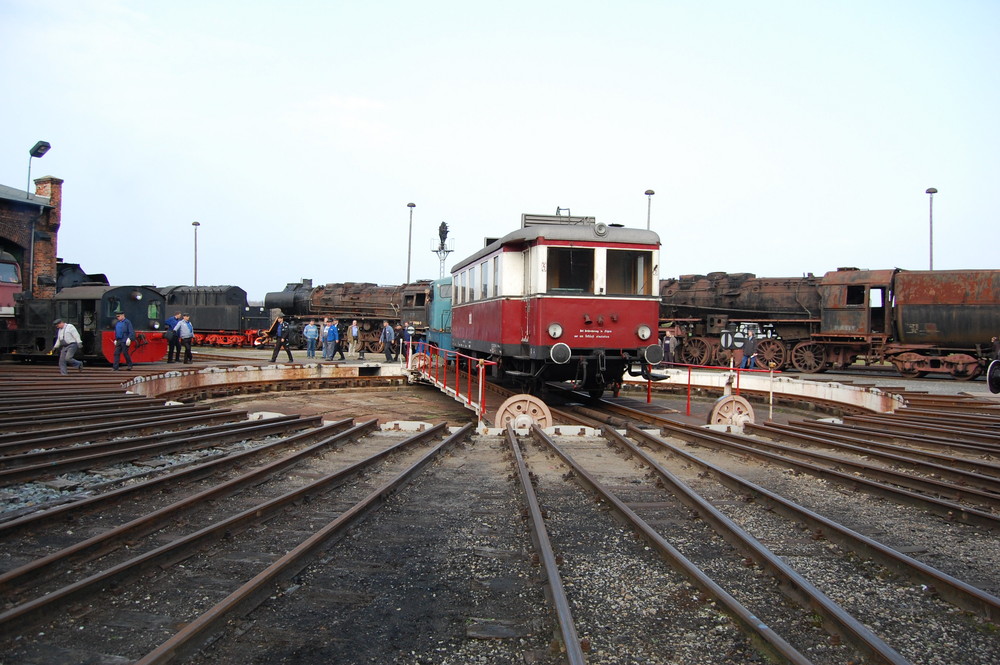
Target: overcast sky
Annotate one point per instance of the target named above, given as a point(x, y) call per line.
point(780, 137)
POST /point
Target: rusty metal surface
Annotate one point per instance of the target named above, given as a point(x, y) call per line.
point(956, 308)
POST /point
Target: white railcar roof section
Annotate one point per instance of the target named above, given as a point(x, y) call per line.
point(568, 233)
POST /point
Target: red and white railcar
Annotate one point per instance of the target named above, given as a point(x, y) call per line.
point(561, 299)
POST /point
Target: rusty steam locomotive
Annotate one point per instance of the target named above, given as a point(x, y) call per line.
point(919, 321)
point(369, 304)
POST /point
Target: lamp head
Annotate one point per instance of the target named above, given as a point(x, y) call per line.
point(40, 149)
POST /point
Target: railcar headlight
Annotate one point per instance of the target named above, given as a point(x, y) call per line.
point(555, 330)
point(644, 332)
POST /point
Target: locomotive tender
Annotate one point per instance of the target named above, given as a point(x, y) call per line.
point(560, 299)
point(920, 321)
point(221, 315)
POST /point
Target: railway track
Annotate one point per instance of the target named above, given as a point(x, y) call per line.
point(798, 542)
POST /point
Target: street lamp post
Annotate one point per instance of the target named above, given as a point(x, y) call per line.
point(196, 225)
point(649, 205)
point(409, 241)
point(37, 150)
point(931, 192)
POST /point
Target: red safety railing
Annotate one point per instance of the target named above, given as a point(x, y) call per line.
point(438, 366)
point(736, 387)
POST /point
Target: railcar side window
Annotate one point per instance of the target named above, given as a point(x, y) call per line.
point(630, 272)
point(496, 276)
point(570, 269)
point(484, 281)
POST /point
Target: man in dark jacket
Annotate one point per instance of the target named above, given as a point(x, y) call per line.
point(280, 331)
point(124, 336)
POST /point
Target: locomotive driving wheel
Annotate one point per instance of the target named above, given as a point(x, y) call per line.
point(696, 351)
point(771, 351)
point(808, 357)
point(731, 410)
point(523, 410)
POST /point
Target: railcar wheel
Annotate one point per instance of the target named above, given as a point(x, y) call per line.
point(522, 411)
point(420, 361)
point(912, 374)
point(771, 351)
point(808, 357)
point(731, 410)
point(696, 351)
point(993, 377)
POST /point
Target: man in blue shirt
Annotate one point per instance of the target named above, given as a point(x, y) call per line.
point(311, 333)
point(124, 336)
point(387, 338)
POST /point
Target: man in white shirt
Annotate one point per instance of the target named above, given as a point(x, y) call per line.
point(67, 341)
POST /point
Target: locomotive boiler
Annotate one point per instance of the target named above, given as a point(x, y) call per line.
point(919, 321)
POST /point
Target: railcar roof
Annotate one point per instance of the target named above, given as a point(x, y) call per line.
point(567, 233)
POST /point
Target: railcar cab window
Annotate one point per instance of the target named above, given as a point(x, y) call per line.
point(630, 272)
point(570, 270)
point(9, 274)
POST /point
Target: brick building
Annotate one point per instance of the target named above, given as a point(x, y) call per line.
point(29, 228)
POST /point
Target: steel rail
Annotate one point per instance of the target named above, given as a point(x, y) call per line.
point(540, 536)
point(899, 457)
point(900, 424)
point(955, 591)
point(911, 438)
point(36, 398)
point(21, 441)
point(254, 428)
point(163, 482)
point(33, 424)
point(102, 405)
point(141, 526)
point(872, 471)
point(947, 509)
point(846, 435)
point(250, 595)
point(163, 555)
point(794, 586)
point(59, 454)
point(764, 637)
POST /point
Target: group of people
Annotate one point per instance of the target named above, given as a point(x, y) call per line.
point(179, 332)
point(327, 336)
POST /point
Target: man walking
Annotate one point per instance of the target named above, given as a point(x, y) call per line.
point(124, 336)
point(387, 338)
point(280, 331)
point(67, 341)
